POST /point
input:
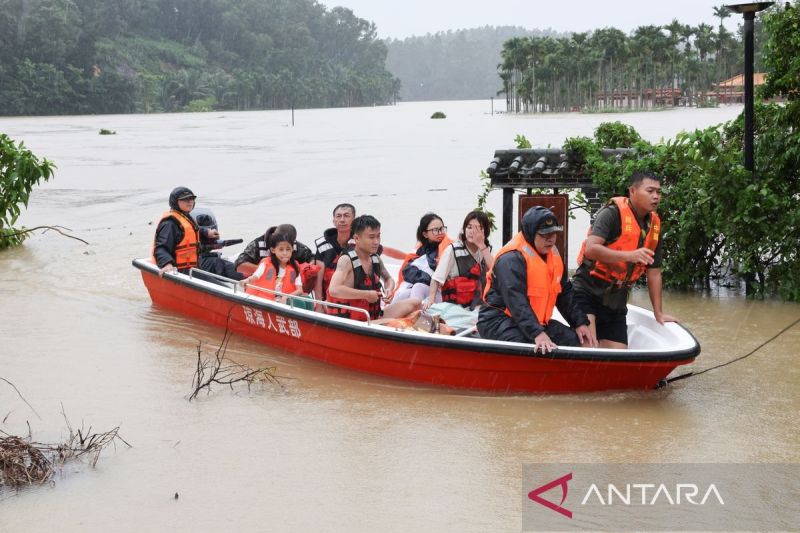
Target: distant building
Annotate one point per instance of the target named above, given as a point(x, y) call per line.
point(731, 91)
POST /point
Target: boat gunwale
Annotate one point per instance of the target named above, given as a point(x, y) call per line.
point(479, 347)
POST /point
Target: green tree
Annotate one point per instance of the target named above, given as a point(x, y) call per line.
point(20, 171)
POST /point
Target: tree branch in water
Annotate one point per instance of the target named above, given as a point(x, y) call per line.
point(45, 228)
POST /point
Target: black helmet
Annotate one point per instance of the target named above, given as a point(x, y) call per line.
point(204, 218)
point(179, 193)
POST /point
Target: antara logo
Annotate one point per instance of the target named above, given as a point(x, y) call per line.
point(562, 481)
point(632, 494)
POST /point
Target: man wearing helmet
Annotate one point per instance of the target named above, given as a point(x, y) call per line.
point(176, 246)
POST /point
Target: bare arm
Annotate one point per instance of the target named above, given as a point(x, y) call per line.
point(388, 280)
point(342, 283)
point(597, 250)
point(654, 286)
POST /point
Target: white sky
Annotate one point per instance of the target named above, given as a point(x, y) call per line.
point(403, 18)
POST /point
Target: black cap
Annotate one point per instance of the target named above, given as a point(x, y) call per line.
point(187, 194)
point(549, 224)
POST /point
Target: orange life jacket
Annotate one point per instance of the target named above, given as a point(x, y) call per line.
point(543, 278)
point(187, 250)
point(269, 280)
point(361, 281)
point(466, 288)
point(622, 273)
point(447, 241)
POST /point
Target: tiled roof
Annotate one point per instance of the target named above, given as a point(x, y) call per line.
point(541, 167)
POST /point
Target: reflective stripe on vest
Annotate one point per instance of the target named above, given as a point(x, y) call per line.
point(269, 280)
point(187, 250)
point(543, 278)
point(466, 288)
point(623, 273)
point(361, 281)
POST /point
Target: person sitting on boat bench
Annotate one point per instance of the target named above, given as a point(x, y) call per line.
point(176, 245)
point(257, 249)
point(331, 245)
point(623, 242)
point(360, 275)
point(524, 285)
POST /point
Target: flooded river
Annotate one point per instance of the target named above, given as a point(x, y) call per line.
point(332, 450)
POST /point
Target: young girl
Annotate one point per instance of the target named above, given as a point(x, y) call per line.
point(285, 278)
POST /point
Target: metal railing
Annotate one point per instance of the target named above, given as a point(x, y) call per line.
point(237, 287)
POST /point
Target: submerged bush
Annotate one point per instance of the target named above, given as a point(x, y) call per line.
point(438, 114)
point(20, 170)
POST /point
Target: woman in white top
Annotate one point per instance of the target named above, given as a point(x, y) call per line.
point(461, 270)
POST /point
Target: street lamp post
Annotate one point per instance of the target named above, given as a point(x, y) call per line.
point(749, 11)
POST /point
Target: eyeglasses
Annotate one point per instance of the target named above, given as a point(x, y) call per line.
point(437, 231)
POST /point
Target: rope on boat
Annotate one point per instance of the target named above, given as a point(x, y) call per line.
point(665, 382)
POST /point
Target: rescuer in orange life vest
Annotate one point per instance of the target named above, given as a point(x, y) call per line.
point(177, 242)
point(525, 283)
point(623, 243)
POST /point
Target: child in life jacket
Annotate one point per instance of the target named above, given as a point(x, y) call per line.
point(277, 272)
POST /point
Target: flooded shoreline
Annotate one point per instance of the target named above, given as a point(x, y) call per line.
point(362, 452)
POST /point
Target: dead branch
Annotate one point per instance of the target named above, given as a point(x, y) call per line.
point(46, 229)
point(226, 372)
point(25, 462)
point(21, 397)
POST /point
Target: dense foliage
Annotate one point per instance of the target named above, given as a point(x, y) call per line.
point(452, 65)
point(578, 71)
point(720, 221)
point(96, 56)
point(20, 170)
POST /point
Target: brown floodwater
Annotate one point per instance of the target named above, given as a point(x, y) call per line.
point(331, 449)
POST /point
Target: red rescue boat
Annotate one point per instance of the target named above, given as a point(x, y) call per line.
point(447, 361)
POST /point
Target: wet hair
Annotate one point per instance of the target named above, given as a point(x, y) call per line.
point(638, 177)
point(482, 219)
point(344, 206)
point(426, 219)
point(364, 222)
point(272, 230)
point(288, 230)
point(274, 240)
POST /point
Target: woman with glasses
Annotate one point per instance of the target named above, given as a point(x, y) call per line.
point(418, 268)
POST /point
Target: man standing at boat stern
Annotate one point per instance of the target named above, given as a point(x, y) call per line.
point(525, 284)
point(623, 243)
point(177, 241)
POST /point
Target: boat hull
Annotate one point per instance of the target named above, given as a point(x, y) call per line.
point(416, 357)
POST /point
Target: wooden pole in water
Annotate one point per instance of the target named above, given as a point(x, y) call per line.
point(492, 98)
point(292, 115)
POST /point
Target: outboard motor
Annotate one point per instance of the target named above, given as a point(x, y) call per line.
point(206, 220)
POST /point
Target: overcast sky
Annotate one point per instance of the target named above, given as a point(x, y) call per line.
point(403, 18)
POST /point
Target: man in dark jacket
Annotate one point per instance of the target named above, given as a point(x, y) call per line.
point(177, 240)
point(518, 308)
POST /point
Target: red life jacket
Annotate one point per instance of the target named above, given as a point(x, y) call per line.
point(466, 288)
point(361, 281)
point(269, 280)
point(543, 278)
point(447, 241)
point(187, 250)
point(622, 273)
